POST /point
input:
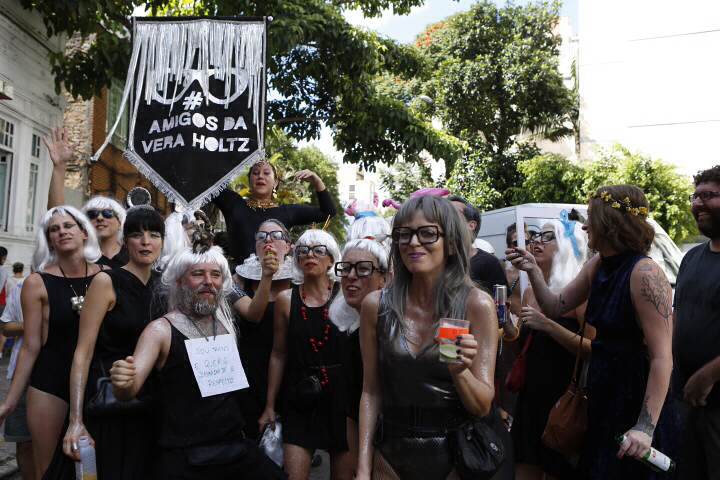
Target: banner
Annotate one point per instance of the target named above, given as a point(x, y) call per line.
point(198, 103)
